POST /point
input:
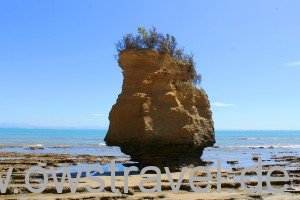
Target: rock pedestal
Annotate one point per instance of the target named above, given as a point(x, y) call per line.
point(160, 118)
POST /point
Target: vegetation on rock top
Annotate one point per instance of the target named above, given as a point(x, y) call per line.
point(166, 44)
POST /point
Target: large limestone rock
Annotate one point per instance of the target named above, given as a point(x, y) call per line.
point(160, 117)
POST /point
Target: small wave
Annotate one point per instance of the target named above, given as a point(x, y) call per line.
point(101, 144)
point(283, 146)
point(267, 138)
point(263, 146)
point(62, 147)
point(295, 146)
point(34, 147)
point(249, 138)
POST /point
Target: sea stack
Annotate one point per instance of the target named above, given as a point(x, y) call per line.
point(160, 118)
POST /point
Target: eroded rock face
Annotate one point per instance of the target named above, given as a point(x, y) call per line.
point(160, 118)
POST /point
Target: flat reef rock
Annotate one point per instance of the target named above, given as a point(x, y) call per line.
point(160, 118)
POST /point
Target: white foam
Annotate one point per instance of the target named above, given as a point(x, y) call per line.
point(264, 146)
point(62, 147)
point(34, 147)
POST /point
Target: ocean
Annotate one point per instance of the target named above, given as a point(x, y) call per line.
point(230, 145)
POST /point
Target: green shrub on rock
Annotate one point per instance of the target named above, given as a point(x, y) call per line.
point(167, 44)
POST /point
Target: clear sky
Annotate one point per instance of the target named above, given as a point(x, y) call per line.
point(57, 67)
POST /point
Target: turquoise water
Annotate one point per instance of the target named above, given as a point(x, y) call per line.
point(277, 139)
point(74, 141)
point(52, 137)
point(233, 145)
point(94, 138)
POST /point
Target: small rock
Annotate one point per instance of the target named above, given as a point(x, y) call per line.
point(209, 162)
point(237, 169)
point(232, 162)
point(255, 158)
point(130, 191)
point(255, 196)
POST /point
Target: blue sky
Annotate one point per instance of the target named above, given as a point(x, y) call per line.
point(57, 67)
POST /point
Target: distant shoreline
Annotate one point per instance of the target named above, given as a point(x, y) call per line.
point(106, 128)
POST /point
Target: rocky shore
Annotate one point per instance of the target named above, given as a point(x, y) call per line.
point(231, 187)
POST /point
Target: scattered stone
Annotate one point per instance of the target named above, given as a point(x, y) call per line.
point(235, 169)
point(255, 158)
point(232, 162)
point(130, 191)
point(255, 196)
point(209, 162)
